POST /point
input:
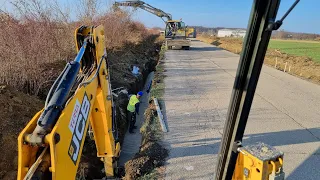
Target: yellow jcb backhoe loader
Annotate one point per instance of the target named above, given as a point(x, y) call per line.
point(50, 146)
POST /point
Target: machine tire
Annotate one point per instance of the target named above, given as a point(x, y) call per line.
point(186, 47)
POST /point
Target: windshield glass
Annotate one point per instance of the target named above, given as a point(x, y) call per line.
point(181, 24)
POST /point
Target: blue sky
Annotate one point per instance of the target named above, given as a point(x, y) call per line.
point(220, 13)
point(232, 13)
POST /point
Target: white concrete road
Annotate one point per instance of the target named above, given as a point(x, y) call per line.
point(285, 114)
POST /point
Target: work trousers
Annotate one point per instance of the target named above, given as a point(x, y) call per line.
point(131, 119)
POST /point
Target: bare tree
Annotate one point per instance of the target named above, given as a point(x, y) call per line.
point(88, 10)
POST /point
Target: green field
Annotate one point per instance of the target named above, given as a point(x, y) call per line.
point(300, 48)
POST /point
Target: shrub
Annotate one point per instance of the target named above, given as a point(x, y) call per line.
point(33, 50)
point(38, 40)
point(120, 29)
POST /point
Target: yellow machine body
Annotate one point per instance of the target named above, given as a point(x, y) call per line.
point(259, 162)
point(91, 103)
point(180, 29)
point(176, 35)
point(191, 32)
point(183, 30)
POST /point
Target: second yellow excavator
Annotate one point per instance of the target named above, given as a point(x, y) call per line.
point(176, 32)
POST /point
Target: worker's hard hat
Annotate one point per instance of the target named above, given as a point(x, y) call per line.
point(140, 93)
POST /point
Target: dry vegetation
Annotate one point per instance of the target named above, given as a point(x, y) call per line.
point(37, 40)
point(31, 47)
point(120, 29)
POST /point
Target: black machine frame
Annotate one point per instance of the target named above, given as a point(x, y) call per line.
point(261, 24)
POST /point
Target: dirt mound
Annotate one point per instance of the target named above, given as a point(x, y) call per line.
point(151, 155)
point(16, 110)
point(300, 66)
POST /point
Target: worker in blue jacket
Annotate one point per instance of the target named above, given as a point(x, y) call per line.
point(133, 109)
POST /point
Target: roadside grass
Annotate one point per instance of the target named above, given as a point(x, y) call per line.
point(158, 83)
point(299, 48)
point(152, 124)
point(158, 86)
point(161, 54)
point(151, 129)
point(154, 174)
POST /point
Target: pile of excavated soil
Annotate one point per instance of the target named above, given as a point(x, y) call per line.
point(151, 155)
point(16, 110)
point(300, 66)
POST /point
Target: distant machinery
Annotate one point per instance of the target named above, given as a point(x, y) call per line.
point(231, 33)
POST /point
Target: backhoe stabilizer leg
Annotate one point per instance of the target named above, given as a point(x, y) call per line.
point(109, 166)
point(259, 161)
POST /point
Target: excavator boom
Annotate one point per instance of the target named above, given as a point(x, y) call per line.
point(144, 6)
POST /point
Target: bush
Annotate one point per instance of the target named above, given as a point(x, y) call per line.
point(33, 51)
point(120, 29)
point(36, 42)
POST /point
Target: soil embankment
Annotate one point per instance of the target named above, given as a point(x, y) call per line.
point(16, 110)
point(300, 66)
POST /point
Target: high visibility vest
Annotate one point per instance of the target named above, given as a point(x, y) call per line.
point(132, 103)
